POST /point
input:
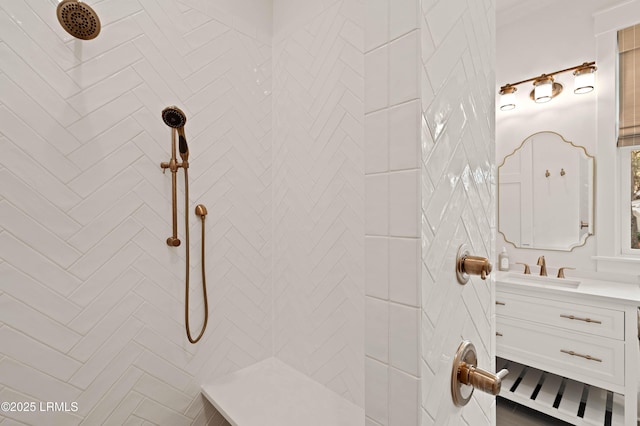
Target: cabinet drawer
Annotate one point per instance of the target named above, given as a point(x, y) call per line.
point(586, 319)
point(588, 359)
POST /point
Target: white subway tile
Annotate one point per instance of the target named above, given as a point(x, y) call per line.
point(404, 261)
point(107, 352)
point(105, 143)
point(34, 55)
point(376, 215)
point(442, 17)
point(404, 136)
point(377, 329)
point(106, 222)
point(37, 355)
point(404, 217)
point(38, 206)
point(120, 365)
point(36, 236)
point(47, 149)
point(106, 170)
point(440, 65)
point(376, 82)
point(377, 266)
point(100, 199)
point(105, 91)
point(171, 71)
point(158, 414)
point(376, 397)
point(21, 73)
point(120, 395)
point(30, 262)
point(34, 383)
point(39, 31)
point(105, 249)
point(114, 10)
point(403, 17)
point(36, 325)
point(404, 338)
point(204, 33)
point(376, 142)
point(33, 174)
point(38, 296)
point(404, 407)
point(163, 393)
point(108, 115)
point(120, 32)
point(376, 23)
point(404, 82)
point(97, 69)
point(91, 341)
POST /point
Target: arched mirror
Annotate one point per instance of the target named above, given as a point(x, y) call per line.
point(545, 194)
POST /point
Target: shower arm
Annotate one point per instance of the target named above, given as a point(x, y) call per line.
point(173, 166)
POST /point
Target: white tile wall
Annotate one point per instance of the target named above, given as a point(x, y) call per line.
point(428, 177)
point(318, 192)
point(457, 196)
point(91, 298)
point(392, 148)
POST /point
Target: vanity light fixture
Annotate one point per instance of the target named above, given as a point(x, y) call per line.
point(545, 88)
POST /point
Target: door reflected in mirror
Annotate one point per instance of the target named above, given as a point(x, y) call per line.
point(545, 194)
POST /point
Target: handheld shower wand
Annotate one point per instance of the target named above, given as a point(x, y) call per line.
point(176, 119)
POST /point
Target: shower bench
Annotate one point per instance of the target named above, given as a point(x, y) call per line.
point(271, 393)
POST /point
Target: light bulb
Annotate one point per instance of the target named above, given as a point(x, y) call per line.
point(507, 98)
point(584, 80)
point(543, 89)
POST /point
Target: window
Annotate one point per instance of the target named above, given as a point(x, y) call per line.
point(635, 198)
point(629, 135)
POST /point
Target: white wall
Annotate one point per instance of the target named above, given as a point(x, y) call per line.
point(564, 37)
point(91, 297)
point(457, 198)
point(318, 192)
point(428, 188)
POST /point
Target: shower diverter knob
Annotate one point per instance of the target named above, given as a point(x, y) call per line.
point(466, 373)
point(471, 265)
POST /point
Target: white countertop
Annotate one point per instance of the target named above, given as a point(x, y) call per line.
point(271, 393)
point(624, 292)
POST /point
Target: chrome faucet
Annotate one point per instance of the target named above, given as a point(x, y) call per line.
point(543, 266)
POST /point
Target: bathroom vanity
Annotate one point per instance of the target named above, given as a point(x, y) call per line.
point(571, 346)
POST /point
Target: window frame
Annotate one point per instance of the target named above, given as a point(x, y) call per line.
point(624, 189)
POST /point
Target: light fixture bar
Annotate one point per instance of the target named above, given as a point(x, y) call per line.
point(584, 65)
point(545, 88)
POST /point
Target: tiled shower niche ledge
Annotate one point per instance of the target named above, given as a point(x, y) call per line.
point(565, 399)
point(271, 393)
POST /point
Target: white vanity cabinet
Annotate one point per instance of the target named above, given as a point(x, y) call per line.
point(560, 341)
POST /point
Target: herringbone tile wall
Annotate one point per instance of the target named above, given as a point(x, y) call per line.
point(318, 194)
point(458, 197)
point(91, 298)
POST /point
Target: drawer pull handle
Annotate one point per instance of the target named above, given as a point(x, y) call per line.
point(589, 357)
point(500, 303)
point(571, 317)
point(498, 334)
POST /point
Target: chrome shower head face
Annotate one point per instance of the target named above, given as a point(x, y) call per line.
point(174, 117)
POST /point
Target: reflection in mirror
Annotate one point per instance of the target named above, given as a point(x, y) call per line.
point(545, 194)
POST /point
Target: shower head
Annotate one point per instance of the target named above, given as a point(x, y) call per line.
point(78, 19)
point(174, 117)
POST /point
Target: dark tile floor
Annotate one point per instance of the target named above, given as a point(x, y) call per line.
point(511, 414)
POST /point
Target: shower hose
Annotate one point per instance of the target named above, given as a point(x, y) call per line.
point(204, 282)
